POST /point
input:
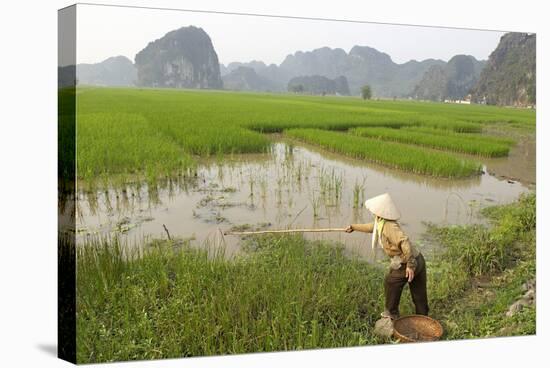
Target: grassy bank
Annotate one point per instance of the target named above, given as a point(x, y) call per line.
point(391, 154)
point(285, 293)
point(500, 259)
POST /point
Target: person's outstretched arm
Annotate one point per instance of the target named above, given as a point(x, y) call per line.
point(365, 228)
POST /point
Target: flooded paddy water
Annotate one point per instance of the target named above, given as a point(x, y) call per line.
point(297, 186)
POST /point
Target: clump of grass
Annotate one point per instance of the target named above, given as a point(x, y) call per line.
point(502, 255)
point(480, 251)
point(263, 187)
point(175, 302)
point(251, 182)
point(449, 142)
point(482, 313)
point(390, 154)
point(315, 205)
point(330, 185)
point(359, 194)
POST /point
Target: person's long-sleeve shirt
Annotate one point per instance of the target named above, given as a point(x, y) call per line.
point(394, 241)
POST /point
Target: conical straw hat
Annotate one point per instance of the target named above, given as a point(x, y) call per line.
point(383, 206)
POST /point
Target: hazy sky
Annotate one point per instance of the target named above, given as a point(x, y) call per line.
point(110, 31)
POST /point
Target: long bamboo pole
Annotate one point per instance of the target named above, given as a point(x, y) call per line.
point(326, 230)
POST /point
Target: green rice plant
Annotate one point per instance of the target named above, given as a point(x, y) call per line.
point(251, 181)
point(154, 132)
point(359, 194)
point(330, 184)
point(445, 142)
point(446, 123)
point(315, 205)
point(125, 143)
point(263, 186)
point(210, 139)
point(396, 155)
point(66, 99)
point(337, 124)
point(471, 136)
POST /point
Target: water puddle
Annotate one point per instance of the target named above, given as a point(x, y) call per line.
point(294, 186)
point(520, 165)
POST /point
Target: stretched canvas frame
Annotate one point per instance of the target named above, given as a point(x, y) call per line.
point(514, 189)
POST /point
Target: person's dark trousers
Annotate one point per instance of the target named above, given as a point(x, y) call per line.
point(396, 280)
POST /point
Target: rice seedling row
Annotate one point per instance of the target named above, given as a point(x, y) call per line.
point(450, 142)
point(395, 155)
point(502, 139)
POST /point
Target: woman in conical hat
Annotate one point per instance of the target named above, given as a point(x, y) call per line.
point(407, 263)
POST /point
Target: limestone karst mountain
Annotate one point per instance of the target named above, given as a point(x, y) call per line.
point(184, 58)
point(452, 81)
point(319, 85)
point(114, 71)
point(509, 78)
point(246, 79)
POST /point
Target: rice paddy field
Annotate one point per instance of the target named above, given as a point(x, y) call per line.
point(161, 174)
point(198, 161)
point(165, 131)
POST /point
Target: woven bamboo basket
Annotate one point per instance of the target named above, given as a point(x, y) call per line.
point(416, 327)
